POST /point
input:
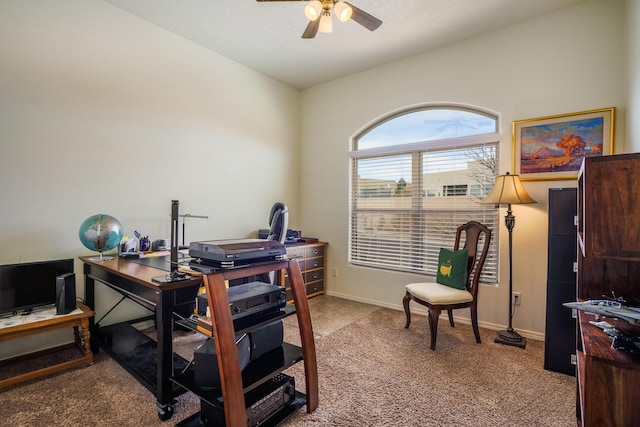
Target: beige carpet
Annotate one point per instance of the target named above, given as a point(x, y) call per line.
point(372, 371)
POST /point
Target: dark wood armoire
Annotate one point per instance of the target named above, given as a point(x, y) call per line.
point(608, 380)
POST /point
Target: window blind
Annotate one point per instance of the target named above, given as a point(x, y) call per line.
point(406, 206)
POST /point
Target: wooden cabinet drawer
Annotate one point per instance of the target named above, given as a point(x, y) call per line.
point(312, 276)
point(313, 263)
point(314, 251)
point(295, 252)
point(309, 276)
point(315, 287)
point(312, 288)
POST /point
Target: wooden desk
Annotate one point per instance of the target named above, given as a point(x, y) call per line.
point(135, 281)
point(46, 321)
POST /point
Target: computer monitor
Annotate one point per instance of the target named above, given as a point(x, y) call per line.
point(28, 285)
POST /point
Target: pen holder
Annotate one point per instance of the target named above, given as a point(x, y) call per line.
point(145, 244)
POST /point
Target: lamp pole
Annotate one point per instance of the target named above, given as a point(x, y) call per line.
point(510, 336)
point(510, 222)
point(174, 237)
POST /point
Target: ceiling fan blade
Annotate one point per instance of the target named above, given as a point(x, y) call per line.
point(311, 30)
point(370, 22)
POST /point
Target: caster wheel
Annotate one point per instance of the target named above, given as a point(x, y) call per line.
point(165, 411)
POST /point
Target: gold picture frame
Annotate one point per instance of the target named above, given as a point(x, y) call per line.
point(552, 147)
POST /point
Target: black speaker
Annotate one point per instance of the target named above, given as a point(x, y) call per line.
point(560, 331)
point(266, 339)
point(205, 361)
point(65, 293)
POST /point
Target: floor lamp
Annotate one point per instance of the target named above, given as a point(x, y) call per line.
point(508, 190)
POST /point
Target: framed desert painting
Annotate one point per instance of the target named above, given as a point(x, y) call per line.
point(550, 148)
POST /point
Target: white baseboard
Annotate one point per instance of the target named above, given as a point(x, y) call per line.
point(423, 311)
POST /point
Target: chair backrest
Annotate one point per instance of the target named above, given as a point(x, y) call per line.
point(475, 232)
point(278, 222)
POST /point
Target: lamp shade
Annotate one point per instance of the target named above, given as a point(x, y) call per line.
point(326, 26)
point(313, 10)
point(508, 190)
point(343, 11)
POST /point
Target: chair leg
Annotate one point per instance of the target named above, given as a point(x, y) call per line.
point(450, 312)
point(433, 326)
point(405, 303)
point(474, 322)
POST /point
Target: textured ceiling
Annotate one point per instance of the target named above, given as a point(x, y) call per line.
point(266, 36)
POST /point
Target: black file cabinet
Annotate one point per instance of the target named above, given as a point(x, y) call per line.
point(560, 330)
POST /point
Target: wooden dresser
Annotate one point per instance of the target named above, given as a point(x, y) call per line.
point(312, 260)
point(608, 380)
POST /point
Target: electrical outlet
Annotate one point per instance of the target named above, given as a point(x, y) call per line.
point(515, 298)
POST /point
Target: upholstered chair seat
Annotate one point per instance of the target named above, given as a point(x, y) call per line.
point(435, 293)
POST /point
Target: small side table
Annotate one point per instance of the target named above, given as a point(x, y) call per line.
point(44, 321)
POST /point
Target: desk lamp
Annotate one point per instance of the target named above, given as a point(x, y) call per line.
point(174, 275)
point(508, 190)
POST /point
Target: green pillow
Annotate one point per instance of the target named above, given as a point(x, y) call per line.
point(452, 268)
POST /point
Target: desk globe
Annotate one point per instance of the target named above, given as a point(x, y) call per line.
point(101, 233)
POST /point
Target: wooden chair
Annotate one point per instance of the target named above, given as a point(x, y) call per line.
point(439, 297)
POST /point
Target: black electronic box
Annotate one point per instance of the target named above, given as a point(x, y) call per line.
point(234, 253)
point(253, 299)
point(261, 402)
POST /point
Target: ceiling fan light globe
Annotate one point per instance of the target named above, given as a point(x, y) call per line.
point(326, 26)
point(313, 10)
point(343, 11)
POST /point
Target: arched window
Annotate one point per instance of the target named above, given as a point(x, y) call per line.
point(415, 177)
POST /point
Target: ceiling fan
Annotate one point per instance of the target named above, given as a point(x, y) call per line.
point(319, 14)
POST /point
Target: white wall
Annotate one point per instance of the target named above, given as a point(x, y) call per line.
point(568, 61)
point(102, 112)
